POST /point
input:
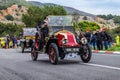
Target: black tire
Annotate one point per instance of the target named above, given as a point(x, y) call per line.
point(23, 47)
point(53, 53)
point(34, 54)
point(86, 57)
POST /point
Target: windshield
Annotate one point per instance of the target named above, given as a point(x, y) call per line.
point(58, 23)
point(29, 31)
point(60, 20)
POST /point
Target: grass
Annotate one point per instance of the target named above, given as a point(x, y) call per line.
point(114, 48)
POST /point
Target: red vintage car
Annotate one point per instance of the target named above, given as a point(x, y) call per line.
point(61, 41)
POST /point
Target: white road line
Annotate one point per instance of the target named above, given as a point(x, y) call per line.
point(116, 55)
point(104, 66)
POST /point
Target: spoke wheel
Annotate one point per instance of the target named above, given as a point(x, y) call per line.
point(23, 47)
point(53, 53)
point(34, 54)
point(86, 56)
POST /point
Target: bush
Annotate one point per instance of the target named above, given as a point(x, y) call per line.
point(19, 6)
point(3, 7)
point(116, 19)
point(88, 25)
point(115, 31)
point(9, 17)
point(11, 29)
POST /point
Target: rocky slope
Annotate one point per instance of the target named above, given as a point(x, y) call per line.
point(15, 11)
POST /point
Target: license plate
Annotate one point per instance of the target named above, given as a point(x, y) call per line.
point(72, 49)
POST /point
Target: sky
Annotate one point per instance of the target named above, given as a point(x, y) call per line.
point(90, 6)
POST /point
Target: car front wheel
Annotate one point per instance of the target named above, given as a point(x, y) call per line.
point(53, 53)
point(86, 57)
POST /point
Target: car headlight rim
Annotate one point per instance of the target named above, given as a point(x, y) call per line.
point(84, 41)
point(64, 41)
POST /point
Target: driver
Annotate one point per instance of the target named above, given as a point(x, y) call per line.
point(42, 29)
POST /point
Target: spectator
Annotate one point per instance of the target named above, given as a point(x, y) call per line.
point(7, 41)
point(88, 35)
point(117, 38)
point(105, 38)
point(99, 40)
point(12, 38)
point(15, 41)
point(93, 40)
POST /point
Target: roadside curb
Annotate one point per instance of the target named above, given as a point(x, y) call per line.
point(106, 52)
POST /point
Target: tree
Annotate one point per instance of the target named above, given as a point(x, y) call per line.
point(110, 16)
point(116, 31)
point(36, 14)
point(3, 7)
point(9, 17)
point(88, 25)
point(85, 18)
point(106, 17)
point(117, 19)
point(29, 21)
point(9, 29)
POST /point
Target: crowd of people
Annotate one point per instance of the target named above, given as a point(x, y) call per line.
point(10, 42)
point(99, 39)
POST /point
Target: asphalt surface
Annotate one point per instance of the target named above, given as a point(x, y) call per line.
point(17, 66)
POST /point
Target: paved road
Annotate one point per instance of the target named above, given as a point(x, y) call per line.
point(17, 66)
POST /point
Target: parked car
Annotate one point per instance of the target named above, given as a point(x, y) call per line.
point(61, 41)
point(27, 38)
point(2, 42)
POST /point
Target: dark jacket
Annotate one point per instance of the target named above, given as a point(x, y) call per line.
point(93, 38)
point(88, 36)
point(98, 36)
point(104, 35)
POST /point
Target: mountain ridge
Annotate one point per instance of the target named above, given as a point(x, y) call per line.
point(69, 10)
point(8, 3)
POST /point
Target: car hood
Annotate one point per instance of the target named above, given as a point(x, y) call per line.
point(64, 34)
